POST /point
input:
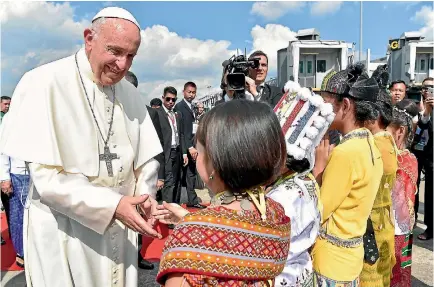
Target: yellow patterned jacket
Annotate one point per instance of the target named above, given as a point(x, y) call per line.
point(350, 184)
point(379, 273)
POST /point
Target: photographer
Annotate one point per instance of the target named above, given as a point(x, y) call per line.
point(423, 150)
point(255, 82)
point(255, 69)
point(228, 93)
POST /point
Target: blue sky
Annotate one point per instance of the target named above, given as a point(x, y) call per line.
point(188, 40)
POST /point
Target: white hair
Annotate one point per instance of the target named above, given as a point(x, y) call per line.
point(98, 23)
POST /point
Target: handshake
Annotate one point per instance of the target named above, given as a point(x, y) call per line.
point(129, 207)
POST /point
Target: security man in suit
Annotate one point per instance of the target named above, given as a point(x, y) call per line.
point(173, 145)
point(186, 108)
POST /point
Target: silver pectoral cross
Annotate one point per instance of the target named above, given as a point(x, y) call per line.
point(108, 157)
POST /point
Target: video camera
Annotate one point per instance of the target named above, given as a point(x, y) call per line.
point(238, 68)
point(414, 93)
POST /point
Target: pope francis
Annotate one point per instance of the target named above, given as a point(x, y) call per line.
point(90, 143)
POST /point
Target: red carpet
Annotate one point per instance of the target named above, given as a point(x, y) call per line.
point(152, 248)
point(7, 251)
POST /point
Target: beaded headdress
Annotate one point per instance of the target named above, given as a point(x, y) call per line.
point(353, 81)
point(304, 118)
point(384, 100)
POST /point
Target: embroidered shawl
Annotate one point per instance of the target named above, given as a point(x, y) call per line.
point(230, 247)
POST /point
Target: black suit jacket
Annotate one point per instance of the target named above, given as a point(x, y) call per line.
point(188, 119)
point(271, 95)
point(428, 150)
point(167, 133)
point(219, 102)
point(159, 157)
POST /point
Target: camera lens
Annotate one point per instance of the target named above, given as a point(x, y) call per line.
point(236, 81)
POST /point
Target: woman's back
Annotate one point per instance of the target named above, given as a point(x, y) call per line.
point(404, 193)
point(242, 239)
point(379, 273)
point(350, 184)
point(225, 247)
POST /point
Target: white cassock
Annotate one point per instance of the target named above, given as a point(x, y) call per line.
point(70, 237)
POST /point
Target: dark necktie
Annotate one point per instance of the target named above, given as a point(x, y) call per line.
point(258, 89)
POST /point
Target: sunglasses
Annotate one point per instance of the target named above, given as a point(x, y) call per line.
point(171, 99)
point(426, 87)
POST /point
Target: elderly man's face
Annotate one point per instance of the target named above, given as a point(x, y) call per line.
point(200, 108)
point(112, 49)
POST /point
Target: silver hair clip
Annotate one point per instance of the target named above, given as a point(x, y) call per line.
point(402, 111)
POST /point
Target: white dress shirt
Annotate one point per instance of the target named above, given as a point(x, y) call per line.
point(173, 126)
point(249, 97)
point(10, 165)
point(257, 96)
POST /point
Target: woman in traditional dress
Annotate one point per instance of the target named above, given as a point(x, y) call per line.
point(378, 273)
point(404, 191)
point(242, 239)
point(350, 174)
point(304, 118)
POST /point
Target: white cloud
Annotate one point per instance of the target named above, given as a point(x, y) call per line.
point(173, 54)
point(270, 39)
point(325, 7)
point(273, 10)
point(425, 16)
point(36, 33)
point(55, 18)
point(185, 59)
point(43, 32)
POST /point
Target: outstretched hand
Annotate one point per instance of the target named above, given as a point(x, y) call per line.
point(126, 212)
point(147, 208)
point(170, 213)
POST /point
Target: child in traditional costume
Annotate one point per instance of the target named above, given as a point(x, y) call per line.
point(304, 118)
point(242, 239)
point(404, 191)
point(349, 175)
point(378, 272)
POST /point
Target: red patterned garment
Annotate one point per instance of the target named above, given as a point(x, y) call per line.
point(403, 197)
point(222, 247)
point(401, 273)
point(403, 193)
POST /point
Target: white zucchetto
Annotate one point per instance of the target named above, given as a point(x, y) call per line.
point(116, 12)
